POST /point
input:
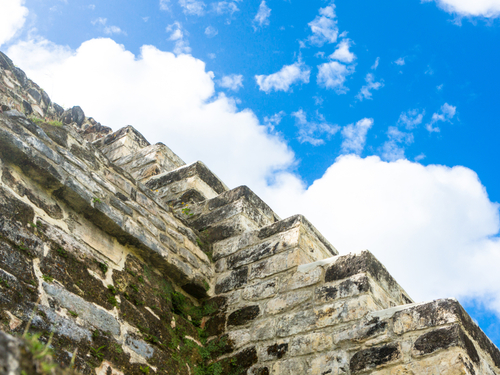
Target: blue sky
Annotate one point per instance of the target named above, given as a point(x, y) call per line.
point(377, 120)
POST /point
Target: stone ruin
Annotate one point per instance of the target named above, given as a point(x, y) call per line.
point(118, 258)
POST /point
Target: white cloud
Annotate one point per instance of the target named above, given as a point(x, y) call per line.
point(313, 132)
point(324, 27)
point(193, 7)
point(165, 4)
point(168, 98)
point(109, 30)
point(342, 52)
point(145, 19)
point(225, 7)
point(92, 6)
point(12, 18)
point(366, 91)
point(333, 75)
point(211, 31)
point(400, 61)
point(282, 80)
point(355, 136)
point(393, 148)
point(232, 82)
point(99, 21)
point(446, 113)
point(177, 35)
point(411, 119)
point(262, 16)
point(272, 121)
point(212, 56)
point(468, 8)
point(375, 64)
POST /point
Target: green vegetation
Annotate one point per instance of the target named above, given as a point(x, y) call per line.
point(96, 200)
point(63, 253)
point(97, 352)
point(103, 266)
point(73, 313)
point(47, 278)
point(55, 123)
point(4, 283)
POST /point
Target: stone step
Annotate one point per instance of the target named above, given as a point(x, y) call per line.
point(229, 214)
point(191, 184)
point(150, 161)
point(128, 149)
point(293, 232)
point(121, 143)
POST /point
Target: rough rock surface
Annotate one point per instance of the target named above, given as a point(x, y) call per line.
point(122, 259)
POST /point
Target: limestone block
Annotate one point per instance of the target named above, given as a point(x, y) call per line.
point(302, 279)
point(374, 357)
point(452, 362)
point(292, 366)
point(351, 287)
point(288, 302)
point(261, 290)
point(331, 363)
point(263, 329)
point(310, 343)
point(344, 311)
point(294, 323)
point(279, 263)
point(86, 311)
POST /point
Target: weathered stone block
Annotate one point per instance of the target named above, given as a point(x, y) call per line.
point(374, 357)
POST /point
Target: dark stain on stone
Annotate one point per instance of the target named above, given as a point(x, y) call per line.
point(57, 133)
point(86, 155)
point(236, 279)
point(352, 264)
point(373, 357)
point(277, 351)
point(243, 316)
point(445, 338)
point(14, 209)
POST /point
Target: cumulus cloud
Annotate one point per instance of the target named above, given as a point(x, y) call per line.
point(433, 227)
point(282, 80)
point(193, 7)
point(332, 75)
point(446, 113)
point(12, 18)
point(411, 119)
point(375, 64)
point(168, 98)
point(354, 136)
point(262, 16)
point(342, 52)
point(366, 91)
point(324, 27)
point(466, 8)
point(177, 34)
point(231, 82)
point(313, 132)
point(211, 31)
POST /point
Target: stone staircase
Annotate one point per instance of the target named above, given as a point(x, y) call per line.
point(288, 303)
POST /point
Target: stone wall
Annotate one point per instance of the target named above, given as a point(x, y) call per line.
point(125, 260)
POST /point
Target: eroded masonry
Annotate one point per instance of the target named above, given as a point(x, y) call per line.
point(122, 259)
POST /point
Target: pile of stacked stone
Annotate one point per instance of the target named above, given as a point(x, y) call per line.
point(138, 263)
